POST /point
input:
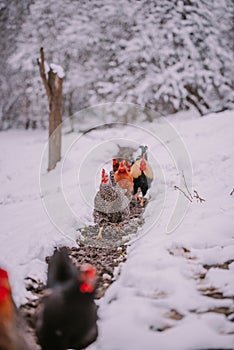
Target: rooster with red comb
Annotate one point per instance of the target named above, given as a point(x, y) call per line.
point(142, 174)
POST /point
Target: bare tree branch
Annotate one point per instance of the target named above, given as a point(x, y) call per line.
point(185, 194)
point(198, 197)
point(186, 185)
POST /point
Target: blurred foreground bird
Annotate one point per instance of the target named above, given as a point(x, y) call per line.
point(60, 269)
point(67, 315)
point(142, 174)
point(124, 178)
point(110, 203)
point(12, 327)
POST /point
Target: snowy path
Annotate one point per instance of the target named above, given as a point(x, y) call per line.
point(159, 300)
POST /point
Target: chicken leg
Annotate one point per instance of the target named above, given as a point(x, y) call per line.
point(99, 236)
point(136, 196)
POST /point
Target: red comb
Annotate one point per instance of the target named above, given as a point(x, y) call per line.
point(122, 166)
point(3, 274)
point(143, 164)
point(104, 176)
point(115, 161)
point(88, 278)
point(86, 288)
point(4, 284)
point(89, 270)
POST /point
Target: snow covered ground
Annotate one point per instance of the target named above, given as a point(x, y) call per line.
point(160, 299)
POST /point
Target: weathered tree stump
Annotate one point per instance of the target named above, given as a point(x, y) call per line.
point(52, 82)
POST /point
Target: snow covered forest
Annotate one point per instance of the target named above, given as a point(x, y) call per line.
point(168, 55)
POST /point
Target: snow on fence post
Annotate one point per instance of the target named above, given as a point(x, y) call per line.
point(52, 78)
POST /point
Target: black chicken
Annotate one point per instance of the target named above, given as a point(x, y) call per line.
point(142, 175)
point(68, 315)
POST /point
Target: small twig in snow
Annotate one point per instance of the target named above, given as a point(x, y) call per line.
point(186, 185)
point(232, 191)
point(198, 197)
point(185, 194)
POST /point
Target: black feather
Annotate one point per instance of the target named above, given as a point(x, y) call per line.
point(60, 269)
point(142, 183)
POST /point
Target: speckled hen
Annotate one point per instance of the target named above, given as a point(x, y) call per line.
point(110, 203)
